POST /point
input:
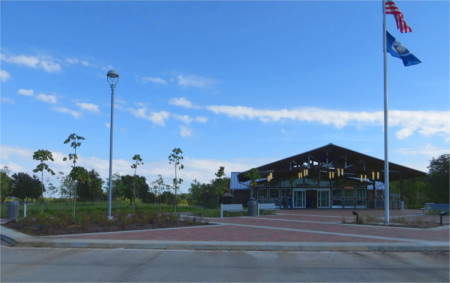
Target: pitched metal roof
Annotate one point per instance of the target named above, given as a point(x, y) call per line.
point(329, 158)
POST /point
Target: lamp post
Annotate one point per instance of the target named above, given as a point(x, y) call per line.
point(113, 78)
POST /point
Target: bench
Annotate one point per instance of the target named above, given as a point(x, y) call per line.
point(231, 208)
point(267, 206)
point(432, 207)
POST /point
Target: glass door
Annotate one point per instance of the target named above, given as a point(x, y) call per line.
point(299, 199)
point(323, 198)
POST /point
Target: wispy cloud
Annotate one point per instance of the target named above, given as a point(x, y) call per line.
point(88, 107)
point(426, 123)
point(182, 102)
point(66, 110)
point(26, 92)
point(428, 150)
point(155, 80)
point(43, 62)
point(85, 63)
point(47, 98)
point(4, 76)
point(185, 131)
point(195, 81)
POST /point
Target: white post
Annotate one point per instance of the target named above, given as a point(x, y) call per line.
point(24, 209)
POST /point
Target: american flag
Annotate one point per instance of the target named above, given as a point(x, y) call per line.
point(391, 8)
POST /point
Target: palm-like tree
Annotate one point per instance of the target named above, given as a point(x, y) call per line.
point(41, 156)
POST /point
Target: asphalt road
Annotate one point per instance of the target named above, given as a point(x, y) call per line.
point(121, 265)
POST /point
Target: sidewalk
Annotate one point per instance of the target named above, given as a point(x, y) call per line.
point(291, 230)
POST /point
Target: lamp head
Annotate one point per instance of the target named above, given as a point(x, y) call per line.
point(355, 213)
point(113, 77)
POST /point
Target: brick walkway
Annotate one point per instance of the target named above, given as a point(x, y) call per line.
point(291, 226)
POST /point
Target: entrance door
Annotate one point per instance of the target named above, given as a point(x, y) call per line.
point(299, 199)
point(323, 198)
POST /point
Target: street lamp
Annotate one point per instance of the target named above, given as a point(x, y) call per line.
point(113, 78)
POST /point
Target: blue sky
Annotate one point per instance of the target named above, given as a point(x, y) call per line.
point(234, 84)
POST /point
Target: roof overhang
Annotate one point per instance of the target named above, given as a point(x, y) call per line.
point(330, 158)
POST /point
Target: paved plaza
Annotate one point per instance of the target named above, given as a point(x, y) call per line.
point(285, 230)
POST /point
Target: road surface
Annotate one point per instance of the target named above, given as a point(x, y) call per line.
point(121, 265)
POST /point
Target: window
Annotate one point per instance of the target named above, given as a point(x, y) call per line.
point(274, 193)
point(262, 193)
point(348, 193)
point(337, 193)
point(360, 193)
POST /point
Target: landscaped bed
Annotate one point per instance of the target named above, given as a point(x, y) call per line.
point(45, 225)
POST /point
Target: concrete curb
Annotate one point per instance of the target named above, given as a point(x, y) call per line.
point(229, 246)
point(23, 240)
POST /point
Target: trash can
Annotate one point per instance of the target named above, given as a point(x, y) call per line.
point(13, 209)
point(252, 207)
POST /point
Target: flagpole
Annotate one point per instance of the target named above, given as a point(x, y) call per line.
point(386, 155)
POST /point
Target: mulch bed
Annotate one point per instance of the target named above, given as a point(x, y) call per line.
point(45, 230)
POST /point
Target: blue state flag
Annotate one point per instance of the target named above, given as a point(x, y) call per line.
point(396, 49)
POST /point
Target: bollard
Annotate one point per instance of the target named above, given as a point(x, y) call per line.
point(356, 214)
point(441, 214)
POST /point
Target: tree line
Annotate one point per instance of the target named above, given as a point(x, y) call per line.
point(84, 185)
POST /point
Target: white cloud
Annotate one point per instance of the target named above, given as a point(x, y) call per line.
point(47, 98)
point(26, 92)
point(7, 100)
point(428, 150)
point(43, 62)
point(185, 131)
point(155, 80)
point(426, 123)
point(194, 81)
point(88, 107)
point(157, 118)
point(201, 119)
point(182, 102)
point(4, 76)
point(66, 110)
point(183, 118)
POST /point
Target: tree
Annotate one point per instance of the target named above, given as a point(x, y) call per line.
point(175, 159)
point(75, 142)
point(438, 179)
point(25, 187)
point(41, 156)
point(137, 161)
point(220, 185)
point(5, 184)
point(92, 188)
point(77, 174)
point(158, 187)
point(125, 186)
point(253, 175)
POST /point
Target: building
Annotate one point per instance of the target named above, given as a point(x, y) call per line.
point(326, 177)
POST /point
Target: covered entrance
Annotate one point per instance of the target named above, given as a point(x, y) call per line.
point(311, 198)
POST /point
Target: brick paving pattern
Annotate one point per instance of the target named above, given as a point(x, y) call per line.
point(290, 226)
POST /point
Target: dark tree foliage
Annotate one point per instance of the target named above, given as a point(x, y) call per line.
point(208, 195)
point(125, 185)
point(25, 187)
point(168, 198)
point(91, 190)
point(5, 185)
point(438, 179)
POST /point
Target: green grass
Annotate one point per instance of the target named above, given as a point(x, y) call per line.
point(56, 207)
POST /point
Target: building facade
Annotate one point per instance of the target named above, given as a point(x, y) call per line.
point(327, 177)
